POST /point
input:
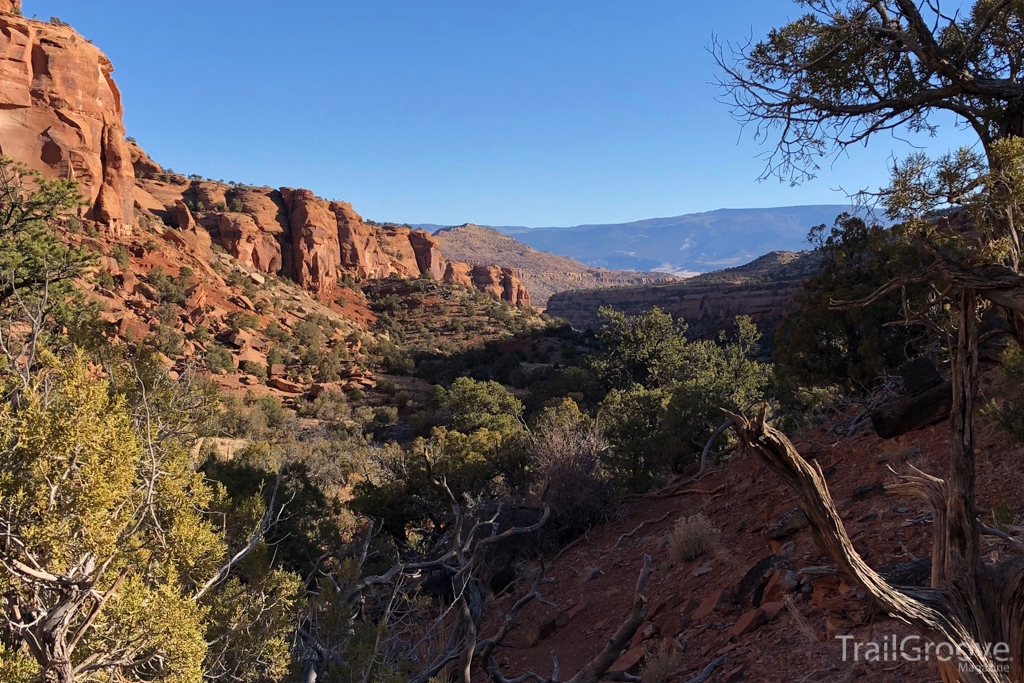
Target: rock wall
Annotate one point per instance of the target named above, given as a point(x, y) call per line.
point(295, 234)
point(61, 114)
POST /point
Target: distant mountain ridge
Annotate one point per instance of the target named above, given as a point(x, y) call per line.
point(682, 245)
point(544, 274)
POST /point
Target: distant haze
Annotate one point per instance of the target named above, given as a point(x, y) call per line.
point(682, 245)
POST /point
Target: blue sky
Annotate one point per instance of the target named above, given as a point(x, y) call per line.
point(533, 112)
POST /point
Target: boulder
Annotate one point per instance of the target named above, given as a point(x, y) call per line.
point(132, 329)
point(321, 388)
point(284, 385)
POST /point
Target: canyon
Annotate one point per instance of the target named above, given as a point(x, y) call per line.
point(765, 289)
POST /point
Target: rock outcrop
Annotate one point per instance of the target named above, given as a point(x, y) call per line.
point(61, 114)
point(297, 235)
point(315, 248)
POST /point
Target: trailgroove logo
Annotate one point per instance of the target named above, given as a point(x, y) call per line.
point(916, 649)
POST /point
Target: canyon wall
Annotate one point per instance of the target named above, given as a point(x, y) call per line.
point(295, 234)
point(60, 113)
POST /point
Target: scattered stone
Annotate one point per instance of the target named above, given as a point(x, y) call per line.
point(630, 660)
point(786, 524)
point(705, 568)
point(748, 623)
point(574, 611)
point(707, 606)
point(868, 490)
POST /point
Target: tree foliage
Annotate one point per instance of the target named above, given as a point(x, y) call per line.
point(816, 343)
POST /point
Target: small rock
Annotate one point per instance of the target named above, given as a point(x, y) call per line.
point(705, 568)
point(786, 524)
point(902, 511)
point(707, 606)
point(868, 490)
point(748, 623)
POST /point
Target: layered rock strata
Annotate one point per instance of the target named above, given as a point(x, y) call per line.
point(61, 113)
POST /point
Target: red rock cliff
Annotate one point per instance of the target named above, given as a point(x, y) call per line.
point(60, 113)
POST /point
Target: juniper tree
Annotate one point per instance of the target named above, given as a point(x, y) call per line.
point(844, 72)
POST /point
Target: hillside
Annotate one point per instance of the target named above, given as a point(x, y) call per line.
point(765, 289)
point(684, 245)
point(543, 273)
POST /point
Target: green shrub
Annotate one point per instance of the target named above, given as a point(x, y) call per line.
point(219, 358)
point(170, 289)
point(105, 280)
point(242, 320)
point(121, 255)
point(166, 340)
point(1007, 408)
point(253, 368)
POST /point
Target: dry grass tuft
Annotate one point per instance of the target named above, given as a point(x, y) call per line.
point(692, 537)
point(662, 664)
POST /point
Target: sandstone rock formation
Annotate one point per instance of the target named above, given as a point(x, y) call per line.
point(315, 249)
point(61, 114)
point(295, 234)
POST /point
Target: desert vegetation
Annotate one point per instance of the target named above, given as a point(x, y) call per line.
point(261, 490)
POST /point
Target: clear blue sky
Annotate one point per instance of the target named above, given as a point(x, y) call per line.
point(525, 112)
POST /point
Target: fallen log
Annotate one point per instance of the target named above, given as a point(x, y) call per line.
point(911, 413)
